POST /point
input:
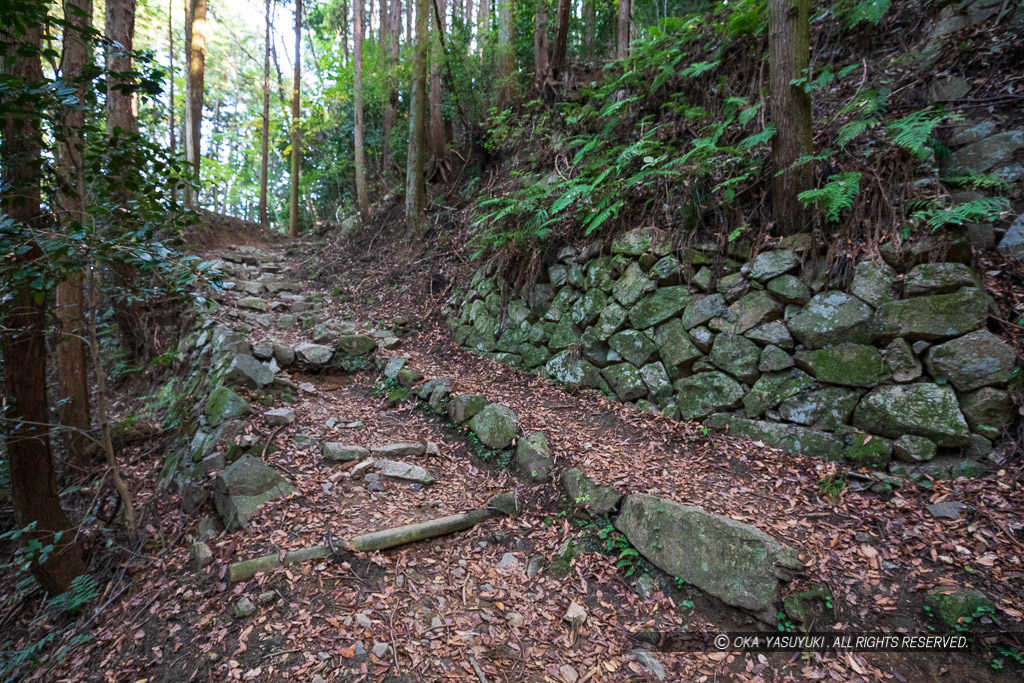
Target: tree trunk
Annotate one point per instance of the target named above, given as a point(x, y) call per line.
point(415, 192)
point(419, 531)
point(391, 106)
point(789, 59)
point(483, 25)
point(170, 83)
point(623, 24)
point(23, 336)
point(561, 40)
point(540, 44)
point(72, 375)
point(467, 16)
point(589, 27)
point(293, 204)
point(195, 46)
point(265, 137)
point(344, 30)
point(357, 30)
point(506, 55)
point(410, 13)
point(436, 137)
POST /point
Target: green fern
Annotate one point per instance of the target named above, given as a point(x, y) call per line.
point(854, 129)
point(975, 180)
point(837, 194)
point(870, 11)
point(914, 131)
point(975, 211)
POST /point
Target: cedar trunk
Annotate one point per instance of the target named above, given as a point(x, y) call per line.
point(623, 24)
point(506, 55)
point(436, 137)
point(293, 204)
point(589, 26)
point(23, 336)
point(265, 137)
point(391, 62)
point(195, 84)
point(561, 40)
point(414, 190)
point(789, 59)
point(72, 377)
point(357, 29)
point(540, 44)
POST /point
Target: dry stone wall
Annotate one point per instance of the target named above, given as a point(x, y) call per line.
point(898, 371)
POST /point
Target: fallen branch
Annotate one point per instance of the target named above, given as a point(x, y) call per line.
point(410, 533)
point(246, 569)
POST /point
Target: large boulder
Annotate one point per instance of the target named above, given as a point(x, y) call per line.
point(736, 355)
point(705, 393)
point(951, 605)
point(464, 406)
point(610, 321)
point(787, 437)
point(654, 308)
point(495, 425)
point(832, 317)
point(975, 360)
point(533, 458)
point(930, 318)
point(735, 562)
point(790, 289)
point(355, 344)
point(851, 365)
point(988, 152)
point(701, 310)
point(921, 409)
point(242, 487)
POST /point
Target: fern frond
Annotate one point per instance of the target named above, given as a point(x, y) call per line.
point(837, 194)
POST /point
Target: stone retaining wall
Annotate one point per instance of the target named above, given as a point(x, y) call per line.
point(896, 371)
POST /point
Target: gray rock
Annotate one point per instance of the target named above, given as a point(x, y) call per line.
point(701, 310)
point(931, 318)
point(339, 452)
point(400, 450)
point(874, 282)
point(253, 303)
point(734, 562)
point(589, 307)
point(948, 88)
point(495, 425)
point(771, 264)
point(569, 367)
point(910, 448)
point(564, 334)
point(610, 321)
point(632, 285)
point(506, 503)
point(1012, 244)
point(824, 409)
point(922, 409)
point(647, 660)
point(508, 563)
point(403, 471)
point(751, 310)
point(314, 355)
point(704, 393)
point(223, 404)
point(244, 608)
point(562, 304)
point(267, 597)
point(393, 367)
point(772, 388)
point(639, 241)
point(626, 381)
point(702, 279)
point(380, 650)
point(987, 409)
point(277, 417)
point(654, 308)
point(702, 338)
point(787, 437)
point(284, 355)
point(262, 351)
point(989, 152)
point(736, 355)
point(676, 349)
point(666, 272)
point(634, 346)
point(774, 333)
point(585, 494)
point(462, 407)
point(979, 447)
point(657, 380)
point(732, 287)
point(246, 371)
point(832, 317)
point(972, 361)
point(201, 555)
point(852, 365)
point(899, 356)
point(790, 289)
point(950, 605)
point(533, 458)
point(242, 487)
point(774, 359)
point(939, 278)
point(949, 509)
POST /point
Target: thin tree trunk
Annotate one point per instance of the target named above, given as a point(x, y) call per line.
point(410, 13)
point(589, 26)
point(72, 375)
point(196, 29)
point(624, 21)
point(540, 44)
point(483, 25)
point(391, 61)
point(23, 336)
point(506, 55)
point(415, 192)
point(789, 59)
point(561, 40)
point(344, 30)
point(170, 83)
point(265, 137)
point(293, 205)
point(467, 17)
point(357, 30)
point(436, 136)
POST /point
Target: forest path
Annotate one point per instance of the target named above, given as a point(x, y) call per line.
point(488, 604)
point(495, 595)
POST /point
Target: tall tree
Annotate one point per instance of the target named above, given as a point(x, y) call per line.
point(483, 24)
point(561, 40)
point(540, 44)
point(506, 54)
point(391, 64)
point(23, 332)
point(589, 27)
point(357, 70)
point(293, 204)
point(72, 375)
point(789, 60)
point(436, 136)
point(265, 137)
point(195, 57)
point(415, 192)
point(170, 79)
point(623, 25)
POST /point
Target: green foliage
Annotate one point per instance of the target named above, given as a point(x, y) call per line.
point(832, 486)
point(628, 559)
point(935, 214)
point(837, 194)
point(854, 12)
point(914, 131)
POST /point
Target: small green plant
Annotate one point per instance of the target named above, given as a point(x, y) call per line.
point(837, 194)
point(679, 584)
point(832, 486)
point(980, 612)
point(1010, 653)
point(785, 625)
point(628, 559)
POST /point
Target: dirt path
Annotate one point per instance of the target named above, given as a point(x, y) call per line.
point(488, 604)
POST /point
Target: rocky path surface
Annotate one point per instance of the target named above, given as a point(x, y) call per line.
point(553, 593)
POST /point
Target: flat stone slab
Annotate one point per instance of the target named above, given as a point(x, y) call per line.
point(394, 469)
point(340, 452)
point(279, 416)
point(400, 450)
point(949, 509)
